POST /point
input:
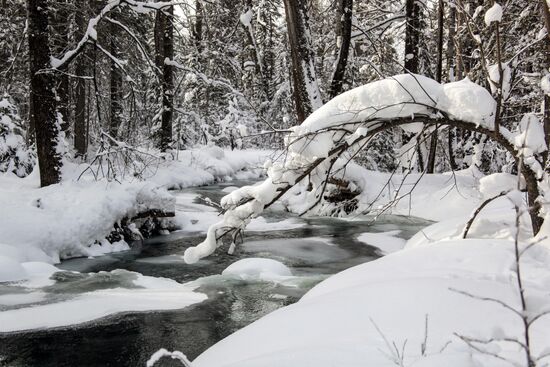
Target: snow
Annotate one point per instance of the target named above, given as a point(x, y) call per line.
point(344, 320)
point(258, 268)
point(497, 183)
point(246, 18)
point(494, 78)
point(161, 353)
point(11, 270)
point(352, 113)
point(468, 101)
point(530, 141)
point(387, 242)
point(494, 14)
point(545, 84)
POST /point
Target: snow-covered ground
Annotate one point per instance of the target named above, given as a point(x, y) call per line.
point(370, 314)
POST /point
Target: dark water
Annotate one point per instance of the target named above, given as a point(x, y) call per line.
point(130, 339)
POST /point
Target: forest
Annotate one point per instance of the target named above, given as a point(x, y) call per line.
point(265, 183)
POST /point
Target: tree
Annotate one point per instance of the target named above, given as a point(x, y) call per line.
point(413, 26)
point(81, 69)
point(116, 93)
point(43, 99)
point(164, 54)
point(60, 22)
point(430, 166)
point(343, 32)
point(307, 96)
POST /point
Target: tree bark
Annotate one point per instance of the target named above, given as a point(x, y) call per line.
point(546, 105)
point(44, 114)
point(413, 15)
point(59, 42)
point(343, 32)
point(81, 69)
point(164, 44)
point(197, 29)
point(116, 94)
point(307, 97)
point(430, 167)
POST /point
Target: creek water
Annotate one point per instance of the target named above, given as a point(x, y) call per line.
point(313, 251)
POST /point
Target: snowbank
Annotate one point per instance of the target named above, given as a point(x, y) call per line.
point(354, 317)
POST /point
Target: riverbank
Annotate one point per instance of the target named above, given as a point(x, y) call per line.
point(442, 300)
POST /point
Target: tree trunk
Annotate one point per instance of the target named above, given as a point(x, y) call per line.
point(307, 97)
point(343, 32)
point(116, 85)
point(430, 167)
point(546, 105)
point(59, 42)
point(81, 69)
point(413, 15)
point(44, 114)
point(197, 29)
point(164, 44)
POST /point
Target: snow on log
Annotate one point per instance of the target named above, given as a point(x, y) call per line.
point(339, 126)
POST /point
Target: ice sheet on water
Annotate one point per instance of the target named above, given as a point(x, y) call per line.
point(75, 298)
point(313, 250)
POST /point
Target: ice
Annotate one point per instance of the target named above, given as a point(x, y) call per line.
point(385, 241)
point(313, 250)
point(258, 268)
point(77, 298)
point(18, 299)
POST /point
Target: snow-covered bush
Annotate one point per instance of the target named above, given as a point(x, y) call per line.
point(15, 156)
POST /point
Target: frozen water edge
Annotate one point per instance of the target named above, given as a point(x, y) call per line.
point(131, 292)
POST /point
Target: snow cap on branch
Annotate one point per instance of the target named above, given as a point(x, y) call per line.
point(494, 14)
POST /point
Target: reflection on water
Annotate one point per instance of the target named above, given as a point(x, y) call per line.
point(323, 247)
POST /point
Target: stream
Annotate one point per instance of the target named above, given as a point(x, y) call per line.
point(313, 248)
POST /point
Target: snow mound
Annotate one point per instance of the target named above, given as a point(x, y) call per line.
point(258, 269)
point(467, 101)
point(496, 183)
point(11, 270)
point(387, 242)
